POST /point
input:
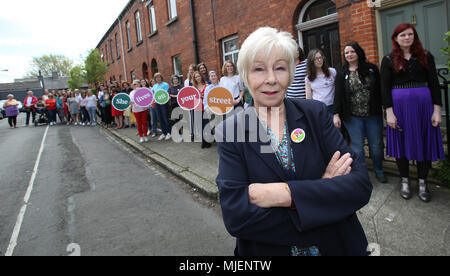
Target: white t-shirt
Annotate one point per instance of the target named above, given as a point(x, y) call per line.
point(322, 88)
point(91, 101)
point(233, 84)
point(78, 98)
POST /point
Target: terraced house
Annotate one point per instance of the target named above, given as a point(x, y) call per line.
point(166, 36)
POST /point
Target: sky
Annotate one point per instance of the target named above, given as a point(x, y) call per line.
point(31, 28)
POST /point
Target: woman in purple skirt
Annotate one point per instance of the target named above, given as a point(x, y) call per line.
point(412, 99)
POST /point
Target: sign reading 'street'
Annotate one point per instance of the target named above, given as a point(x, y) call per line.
point(143, 97)
point(121, 102)
point(220, 101)
point(161, 97)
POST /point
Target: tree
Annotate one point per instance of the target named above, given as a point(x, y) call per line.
point(48, 64)
point(95, 68)
point(77, 77)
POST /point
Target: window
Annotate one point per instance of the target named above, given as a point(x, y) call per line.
point(103, 56)
point(177, 69)
point(133, 76)
point(111, 49)
point(230, 48)
point(172, 5)
point(106, 49)
point(319, 9)
point(138, 26)
point(117, 46)
point(152, 18)
point(129, 34)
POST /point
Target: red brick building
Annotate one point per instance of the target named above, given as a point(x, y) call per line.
point(166, 36)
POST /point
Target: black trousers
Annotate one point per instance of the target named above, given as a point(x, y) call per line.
point(33, 112)
point(12, 121)
point(422, 168)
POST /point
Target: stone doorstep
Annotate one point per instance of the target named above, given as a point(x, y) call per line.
point(199, 183)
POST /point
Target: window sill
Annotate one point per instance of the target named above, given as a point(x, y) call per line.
point(139, 43)
point(130, 49)
point(152, 34)
point(175, 19)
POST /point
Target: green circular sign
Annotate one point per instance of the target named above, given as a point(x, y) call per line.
point(161, 96)
point(121, 102)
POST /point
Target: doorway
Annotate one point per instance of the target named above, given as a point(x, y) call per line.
point(325, 38)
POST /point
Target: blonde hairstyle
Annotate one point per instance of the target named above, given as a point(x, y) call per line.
point(224, 68)
point(158, 75)
point(267, 39)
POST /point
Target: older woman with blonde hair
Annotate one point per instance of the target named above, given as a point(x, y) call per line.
point(294, 189)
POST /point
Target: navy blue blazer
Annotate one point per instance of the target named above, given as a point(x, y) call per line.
point(326, 208)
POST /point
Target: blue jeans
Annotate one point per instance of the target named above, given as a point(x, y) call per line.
point(154, 120)
point(372, 128)
point(92, 114)
point(163, 116)
point(52, 115)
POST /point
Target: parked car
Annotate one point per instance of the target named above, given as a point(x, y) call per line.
point(2, 110)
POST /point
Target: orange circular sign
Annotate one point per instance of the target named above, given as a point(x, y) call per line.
point(220, 101)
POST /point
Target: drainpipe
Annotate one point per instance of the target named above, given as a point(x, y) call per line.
point(123, 51)
point(194, 32)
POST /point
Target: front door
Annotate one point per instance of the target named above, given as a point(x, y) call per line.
point(327, 39)
point(429, 17)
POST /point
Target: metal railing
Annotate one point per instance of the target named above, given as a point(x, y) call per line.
point(442, 73)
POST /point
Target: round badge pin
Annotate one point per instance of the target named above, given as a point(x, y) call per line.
point(298, 136)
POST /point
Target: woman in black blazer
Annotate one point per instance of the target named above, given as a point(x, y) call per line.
point(288, 182)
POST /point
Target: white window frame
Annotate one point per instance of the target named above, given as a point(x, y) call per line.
point(175, 69)
point(137, 17)
point(128, 24)
point(152, 17)
point(224, 55)
point(172, 6)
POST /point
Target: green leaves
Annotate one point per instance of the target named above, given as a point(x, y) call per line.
point(48, 64)
point(95, 68)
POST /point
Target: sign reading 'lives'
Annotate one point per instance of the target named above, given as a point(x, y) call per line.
point(121, 102)
point(143, 97)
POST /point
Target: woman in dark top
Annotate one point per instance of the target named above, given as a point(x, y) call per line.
point(357, 103)
point(175, 87)
point(412, 99)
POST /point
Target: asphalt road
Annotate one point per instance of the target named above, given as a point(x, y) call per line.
point(93, 196)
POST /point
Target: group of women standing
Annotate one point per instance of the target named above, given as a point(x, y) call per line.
point(406, 86)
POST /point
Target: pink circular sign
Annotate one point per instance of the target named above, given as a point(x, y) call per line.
point(143, 97)
point(189, 98)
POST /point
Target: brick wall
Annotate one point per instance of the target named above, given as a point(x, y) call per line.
point(357, 23)
point(216, 20)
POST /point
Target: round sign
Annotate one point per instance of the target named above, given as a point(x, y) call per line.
point(162, 97)
point(121, 102)
point(220, 101)
point(298, 136)
point(143, 97)
point(189, 98)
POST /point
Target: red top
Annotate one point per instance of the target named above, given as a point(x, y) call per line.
point(201, 107)
point(51, 104)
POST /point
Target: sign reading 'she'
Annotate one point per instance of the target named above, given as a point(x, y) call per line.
point(121, 102)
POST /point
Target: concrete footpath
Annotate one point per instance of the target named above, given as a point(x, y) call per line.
point(396, 226)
